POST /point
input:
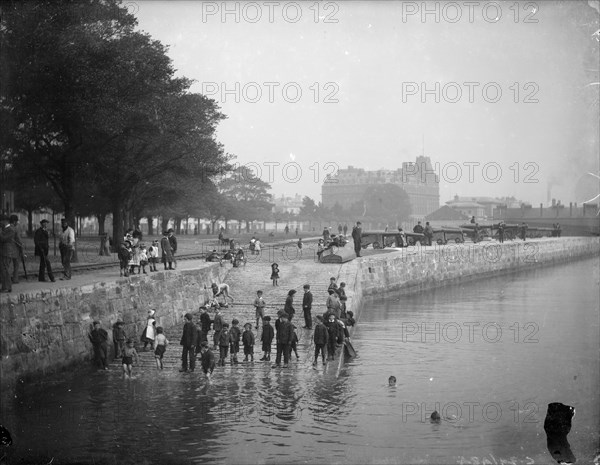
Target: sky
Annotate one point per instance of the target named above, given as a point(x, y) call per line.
point(494, 93)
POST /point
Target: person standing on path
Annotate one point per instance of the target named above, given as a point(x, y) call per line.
point(14, 221)
point(41, 241)
point(188, 341)
point(307, 300)
point(167, 252)
point(357, 237)
point(8, 250)
point(66, 247)
point(173, 243)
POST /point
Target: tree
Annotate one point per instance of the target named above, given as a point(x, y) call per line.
point(247, 194)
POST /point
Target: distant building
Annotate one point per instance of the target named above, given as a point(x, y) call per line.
point(418, 180)
point(290, 205)
point(479, 207)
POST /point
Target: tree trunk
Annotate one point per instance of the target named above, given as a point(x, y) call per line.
point(30, 223)
point(101, 219)
point(118, 227)
point(150, 220)
point(164, 223)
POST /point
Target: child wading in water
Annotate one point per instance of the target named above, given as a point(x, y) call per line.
point(160, 344)
point(275, 273)
point(234, 339)
point(294, 344)
point(129, 353)
point(248, 341)
point(223, 344)
point(267, 338)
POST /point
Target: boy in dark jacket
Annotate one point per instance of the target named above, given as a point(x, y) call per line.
point(189, 339)
point(267, 338)
point(284, 340)
point(223, 343)
point(234, 341)
point(205, 321)
point(207, 360)
point(248, 341)
point(321, 337)
point(333, 330)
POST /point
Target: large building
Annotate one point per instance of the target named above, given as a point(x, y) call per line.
point(418, 180)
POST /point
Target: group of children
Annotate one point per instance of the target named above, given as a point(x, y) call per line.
point(329, 333)
point(134, 255)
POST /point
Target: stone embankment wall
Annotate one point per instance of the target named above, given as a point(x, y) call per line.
point(417, 268)
point(47, 330)
point(423, 268)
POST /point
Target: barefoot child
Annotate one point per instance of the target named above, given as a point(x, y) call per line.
point(223, 344)
point(160, 346)
point(129, 353)
point(234, 339)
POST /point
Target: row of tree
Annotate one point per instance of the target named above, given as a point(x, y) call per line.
point(95, 121)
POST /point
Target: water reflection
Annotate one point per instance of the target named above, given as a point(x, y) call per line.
point(491, 396)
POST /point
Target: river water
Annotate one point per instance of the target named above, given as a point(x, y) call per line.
point(488, 355)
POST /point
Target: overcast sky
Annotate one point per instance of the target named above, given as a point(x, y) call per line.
point(362, 68)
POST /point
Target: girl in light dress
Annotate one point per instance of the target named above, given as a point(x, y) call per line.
point(150, 332)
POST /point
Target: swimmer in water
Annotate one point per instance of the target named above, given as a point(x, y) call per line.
point(392, 381)
point(435, 417)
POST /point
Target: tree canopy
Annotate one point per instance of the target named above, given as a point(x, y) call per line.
point(92, 107)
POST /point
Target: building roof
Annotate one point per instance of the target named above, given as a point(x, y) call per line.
point(446, 213)
point(479, 200)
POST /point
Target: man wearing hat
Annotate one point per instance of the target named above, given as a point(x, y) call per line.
point(41, 240)
point(8, 251)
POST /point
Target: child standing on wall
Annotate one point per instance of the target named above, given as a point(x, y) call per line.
point(129, 353)
point(153, 255)
point(143, 259)
point(124, 255)
point(160, 346)
point(248, 341)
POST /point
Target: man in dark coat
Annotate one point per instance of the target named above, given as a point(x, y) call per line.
point(8, 252)
point(321, 337)
point(357, 237)
point(307, 306)
point(41, 241)
point(189, 340)
point(285, 333)
point(173, 243)
point(418, 228)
